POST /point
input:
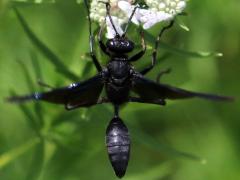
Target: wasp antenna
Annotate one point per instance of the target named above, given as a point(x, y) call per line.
point(108, 7)
point(129, 20)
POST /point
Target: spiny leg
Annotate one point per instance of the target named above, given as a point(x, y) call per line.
point(100, 41)
point(91, 40)
point(140, 100)
point(161, 73)
point(142, 52)
point(154, 54)
point(103, 100)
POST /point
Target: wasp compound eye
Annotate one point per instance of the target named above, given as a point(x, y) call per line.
point(120, 45)
point(118, 145)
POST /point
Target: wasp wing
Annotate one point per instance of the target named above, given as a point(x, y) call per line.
point(150, 90)
point(75, 95)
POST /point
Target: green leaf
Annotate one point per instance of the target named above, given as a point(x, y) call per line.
point(59, 66)
point(36, 125)
point(87, 69)
point(27, 76)
point(64, 116)
point(184, 26)
point(49, 151)
point(157, 172)
point(152, 143)
point(13, 154)
point(181, 23)
point(37, 106)
point(36, 66)
point(31, 2)
point(30, 118)
point(37, 162)
point(28, 115)
point(181, 52)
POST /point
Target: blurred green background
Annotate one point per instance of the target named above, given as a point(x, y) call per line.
point(186, 140)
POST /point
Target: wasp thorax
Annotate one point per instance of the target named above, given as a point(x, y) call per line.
point(120, 45)
point(118, 145)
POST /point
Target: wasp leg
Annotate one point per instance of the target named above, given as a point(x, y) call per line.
point(161, 73)
point(100, 41)
point(91, 40)
point(103, 100)
point(154, 54)
point(142, 52)
point(155, 101)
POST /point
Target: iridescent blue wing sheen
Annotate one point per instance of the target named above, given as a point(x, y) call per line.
point(82, 94)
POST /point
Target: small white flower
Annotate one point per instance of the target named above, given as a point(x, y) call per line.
point(150, 17)
point(172, 7)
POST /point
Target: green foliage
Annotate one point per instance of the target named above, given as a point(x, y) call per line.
point(60, 67)
point(48, 41)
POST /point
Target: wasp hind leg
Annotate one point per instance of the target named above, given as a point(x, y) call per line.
point(161, 73)
point(153, 101)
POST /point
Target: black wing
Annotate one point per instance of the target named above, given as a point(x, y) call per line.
point(82, 94)
point(150, 90)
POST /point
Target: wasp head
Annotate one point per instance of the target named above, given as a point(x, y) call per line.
point(120, 44)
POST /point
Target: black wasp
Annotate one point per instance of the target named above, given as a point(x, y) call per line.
point(119, 78)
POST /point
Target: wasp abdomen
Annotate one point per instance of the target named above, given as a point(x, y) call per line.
point(118, 145)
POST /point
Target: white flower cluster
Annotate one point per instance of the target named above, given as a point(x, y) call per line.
point(121, 10)
point(98, 11)
point(98, 14)
point(171, 7)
